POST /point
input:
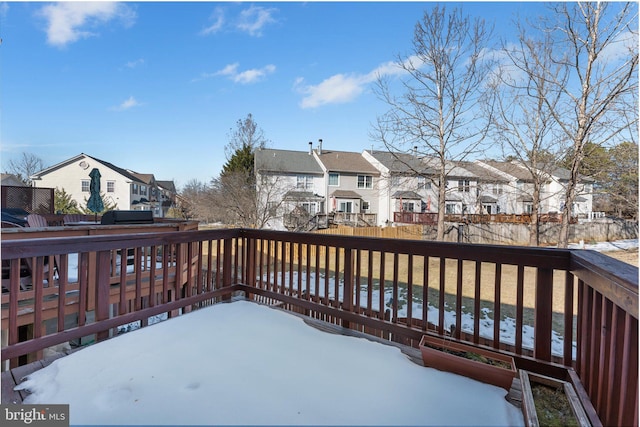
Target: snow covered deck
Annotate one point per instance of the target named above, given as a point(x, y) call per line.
point(245, 364)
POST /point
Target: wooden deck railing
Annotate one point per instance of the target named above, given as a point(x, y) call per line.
point(576, 309)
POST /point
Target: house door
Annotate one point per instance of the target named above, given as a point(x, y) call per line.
point(346, 207)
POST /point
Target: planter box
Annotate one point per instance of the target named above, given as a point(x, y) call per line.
point(573, 415)
point(469, 360)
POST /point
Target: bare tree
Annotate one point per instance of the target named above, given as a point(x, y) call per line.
point(597, 44)
point(242, 203)
point(442, 85)
point(238, 200)
point(247, 136)
point(25, 166)
point(522, 121)
point(196, 201)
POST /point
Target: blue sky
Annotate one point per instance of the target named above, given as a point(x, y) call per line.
point(158, 87)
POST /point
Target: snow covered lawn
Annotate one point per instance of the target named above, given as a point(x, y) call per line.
point(245, 364)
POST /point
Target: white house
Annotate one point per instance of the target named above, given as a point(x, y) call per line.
point(405, 184)
point(126, 189)
point(11, 180)
point(291, 184)
point(351, 184)
point(519, 190)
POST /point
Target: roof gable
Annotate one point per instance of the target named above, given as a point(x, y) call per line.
point(78, 159)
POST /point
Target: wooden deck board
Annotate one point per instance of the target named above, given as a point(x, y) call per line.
point(10, 379)
point(9, 395)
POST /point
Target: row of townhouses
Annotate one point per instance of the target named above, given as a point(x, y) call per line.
point(379, 187)
point(123, 188)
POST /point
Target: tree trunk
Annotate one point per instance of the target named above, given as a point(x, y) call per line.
point(534, 230)
point(442, 196)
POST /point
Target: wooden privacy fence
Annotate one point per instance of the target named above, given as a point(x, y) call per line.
point(413, 232)
point(430, 218)
point(586, 301)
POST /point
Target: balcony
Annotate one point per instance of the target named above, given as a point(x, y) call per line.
point(564, 313)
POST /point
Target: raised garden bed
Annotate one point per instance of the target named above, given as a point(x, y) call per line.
point(472, 361)
point(548, 401)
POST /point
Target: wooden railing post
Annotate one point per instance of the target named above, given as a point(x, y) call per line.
point(250, 276)
point(543, 314)
point(103, 266)
point(227, 256)
point(347, 298)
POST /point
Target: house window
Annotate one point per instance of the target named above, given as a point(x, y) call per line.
point(463, 185)
point(85, 185)
point(272, 208)
point(395, 181)
point(143, 190)
point(134, 188)
point(346, 207)
point(111, 186)
point(407, 206)
point(334, 179)
point(304, 182)
point(528, 208)
point(497, 189)
point(365, 206)
point(450, 208)
point(365, 181)
point(423, 184)
point(310, 207)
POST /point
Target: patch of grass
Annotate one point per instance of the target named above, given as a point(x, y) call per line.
point(552, 406)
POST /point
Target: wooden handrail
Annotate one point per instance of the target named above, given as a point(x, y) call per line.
point(352, 281)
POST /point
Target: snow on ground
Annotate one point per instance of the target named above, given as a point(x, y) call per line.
point(618, 245)
point(507, 325)
point(244, 364)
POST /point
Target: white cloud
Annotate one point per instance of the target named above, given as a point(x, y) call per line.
point(342, 88)
point(4, 9)
point(229, 70)
point(218, 22)
point(255, 18)
point(68, 22)
point(622, 48)
point(252, 76)
point(337, 89)
point(127, 104)
point(243, 77)
point(134, 64)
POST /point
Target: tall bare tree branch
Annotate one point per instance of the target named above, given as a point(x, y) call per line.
point(442, 84)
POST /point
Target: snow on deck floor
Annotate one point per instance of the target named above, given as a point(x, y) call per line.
point(245, 364)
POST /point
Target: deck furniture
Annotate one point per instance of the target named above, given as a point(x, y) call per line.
point(35, 220)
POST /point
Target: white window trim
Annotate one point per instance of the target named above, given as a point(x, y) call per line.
point(367, 179)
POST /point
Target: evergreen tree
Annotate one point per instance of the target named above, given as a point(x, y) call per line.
point(63, 203)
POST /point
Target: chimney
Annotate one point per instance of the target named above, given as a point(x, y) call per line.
point(310, 148)
point(320, 147)
point(415, 150)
